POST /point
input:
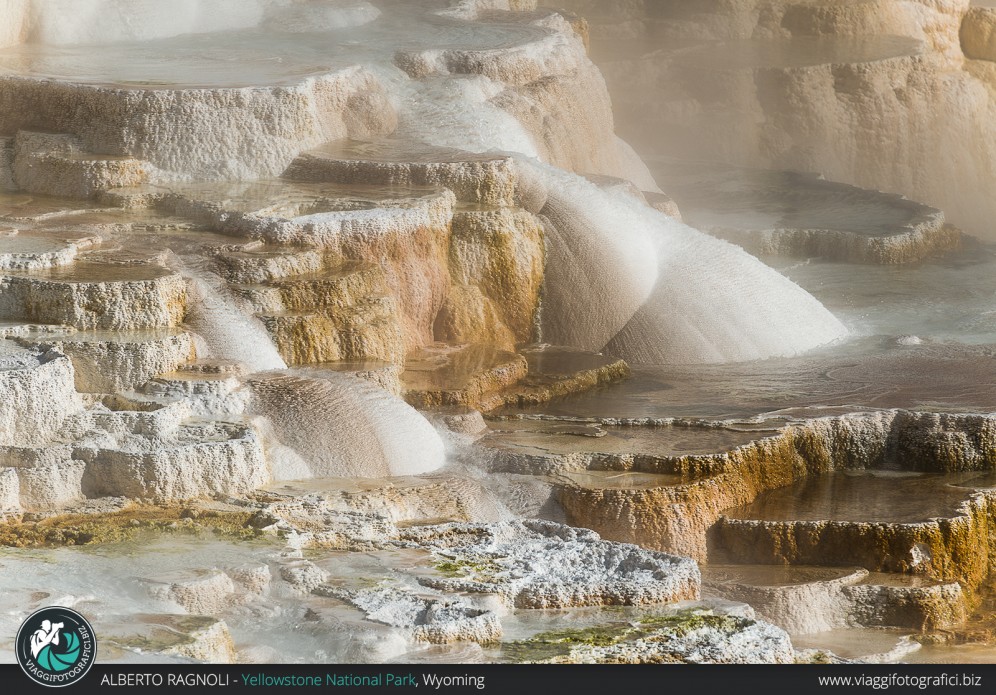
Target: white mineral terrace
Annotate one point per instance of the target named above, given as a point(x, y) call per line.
point(352, 331)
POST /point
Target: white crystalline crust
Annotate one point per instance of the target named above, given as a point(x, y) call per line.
point(220, 133)
point(37, 396)
point(537, 564)
point(62, 450)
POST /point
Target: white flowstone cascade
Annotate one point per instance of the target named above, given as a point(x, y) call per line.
point(624, 277)
point(621, 275)
point(227, 330)
point(36, 395)
point(343, 426)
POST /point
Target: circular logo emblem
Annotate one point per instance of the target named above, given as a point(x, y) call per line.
point(56, 647)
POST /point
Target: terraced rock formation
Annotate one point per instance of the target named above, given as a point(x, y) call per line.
point(316, 343)
point(812, 86)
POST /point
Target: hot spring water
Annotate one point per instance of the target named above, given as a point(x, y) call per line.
point(343, 427)
point(81, 22)
point(626, 278)
point(320, 424)
point(227, 330)
point(621, 278)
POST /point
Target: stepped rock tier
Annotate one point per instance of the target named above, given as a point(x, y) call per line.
point(360, 316)
point(875, 93)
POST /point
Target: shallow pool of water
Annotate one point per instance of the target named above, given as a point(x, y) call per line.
point(272, 54)
point(539, 436)
point(862, 496)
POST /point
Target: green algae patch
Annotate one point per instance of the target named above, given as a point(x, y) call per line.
point(166, 632)
point(685, 622)
point(556, 644)
point(125, 524)
point(818, 657)
point(480, 570)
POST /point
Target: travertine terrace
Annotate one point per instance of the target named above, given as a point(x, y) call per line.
point(387, 348)
point(876, 93)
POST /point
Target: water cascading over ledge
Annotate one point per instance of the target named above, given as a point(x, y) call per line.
point(620, 276)
point(630, 280)
point(379, 269)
